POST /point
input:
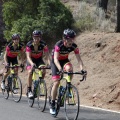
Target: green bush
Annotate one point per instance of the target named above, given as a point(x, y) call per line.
point(50, 16)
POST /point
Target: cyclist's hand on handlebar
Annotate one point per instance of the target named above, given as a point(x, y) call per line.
point(61, 72)
point(33, 65)
point(22, 65)
point(48, 66)
point(6, 65)
point(84, 72)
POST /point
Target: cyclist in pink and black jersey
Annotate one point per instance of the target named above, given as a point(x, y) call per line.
point(34, 52)
point(13, 49)
point(60, 61)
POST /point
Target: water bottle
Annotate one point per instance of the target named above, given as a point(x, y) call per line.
point(61, 90)
point(9, 80)
point(35, 88)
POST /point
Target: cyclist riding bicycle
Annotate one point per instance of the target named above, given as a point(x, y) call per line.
point(60, 61)
point(34, 52)
point(13, 50)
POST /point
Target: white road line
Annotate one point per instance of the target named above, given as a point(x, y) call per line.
point(97, 108)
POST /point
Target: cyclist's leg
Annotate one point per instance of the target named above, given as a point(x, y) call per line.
point(29, 81)
point(55, 78)
point(5, 74)
point(67, 66)
point(15, 62)
point(40, 63)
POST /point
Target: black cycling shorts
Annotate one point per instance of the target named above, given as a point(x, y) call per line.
point(37, 62)
point(54, 68)
point(12, 60)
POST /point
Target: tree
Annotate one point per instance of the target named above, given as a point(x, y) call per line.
point(118, 16)
point(103, 4)
point(23, 16)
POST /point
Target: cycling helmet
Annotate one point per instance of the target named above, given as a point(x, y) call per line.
point(15, 36)
point(36, 33)
point(68, 33)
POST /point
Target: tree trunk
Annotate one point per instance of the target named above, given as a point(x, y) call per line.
point(118, 16)
point(103, 4)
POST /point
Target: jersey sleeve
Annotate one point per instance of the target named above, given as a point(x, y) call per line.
point(7, 48)
point(76, 50)
point(28, 49)
point(45, 48)
point(57, 49)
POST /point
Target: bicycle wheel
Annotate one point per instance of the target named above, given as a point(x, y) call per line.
point(42, 95)
point(5, 92)
point(16, 88)
point(31, 100)
point(71, 103)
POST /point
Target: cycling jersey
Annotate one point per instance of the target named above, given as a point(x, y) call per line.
point(14, 53)
point(42, 47)
point(63, 50)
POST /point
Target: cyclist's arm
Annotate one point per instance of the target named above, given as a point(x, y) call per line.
point(56, 55)
point(80, 62)
point(5, 57)
point(22, 54)
point(77, 54)
point(28, 55)
point(47, 55)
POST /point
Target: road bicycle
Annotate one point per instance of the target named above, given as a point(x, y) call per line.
point(68, 97)
point(13, 84)
point(39, 88)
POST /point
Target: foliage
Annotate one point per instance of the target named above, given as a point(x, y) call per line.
point(23, 16)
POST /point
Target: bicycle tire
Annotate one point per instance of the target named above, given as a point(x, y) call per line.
point(72, 103)
point(16, 88)
point(42, 95)
point(5, 92)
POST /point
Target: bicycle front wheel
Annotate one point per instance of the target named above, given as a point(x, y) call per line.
point(16, 89)
point(71, 103)
point(42, 95)
point(5, 91)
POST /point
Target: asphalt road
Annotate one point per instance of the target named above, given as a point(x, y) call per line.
point(9, 110)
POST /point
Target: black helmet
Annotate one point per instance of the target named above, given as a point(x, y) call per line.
point(68, 33)
point(15, 36)
point(36, 33)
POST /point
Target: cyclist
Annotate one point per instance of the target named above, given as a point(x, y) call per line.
point(34, 53)
point(13, 49)
point(61, 62)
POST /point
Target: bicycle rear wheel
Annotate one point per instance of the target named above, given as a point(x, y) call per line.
point(71, 103)
point(5, 92)
point(42, 95)
point(16, 88)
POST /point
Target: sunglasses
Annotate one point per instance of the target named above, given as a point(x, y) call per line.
point(16, 39)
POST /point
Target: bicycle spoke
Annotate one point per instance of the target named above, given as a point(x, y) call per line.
point(72, 103)
point(5, 92)
point(16, 89)
point(42, 95)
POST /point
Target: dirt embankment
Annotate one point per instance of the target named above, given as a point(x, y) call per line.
point(100, 53)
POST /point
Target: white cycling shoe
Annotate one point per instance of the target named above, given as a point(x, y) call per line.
point(3, 85)
point(52, 111)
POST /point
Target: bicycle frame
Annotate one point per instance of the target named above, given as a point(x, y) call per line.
point(64, 95)
point(14, 82)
